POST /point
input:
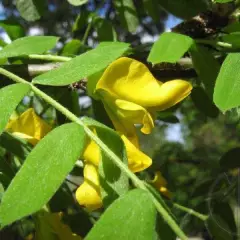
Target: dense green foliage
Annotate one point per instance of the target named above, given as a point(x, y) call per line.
point(195, 144)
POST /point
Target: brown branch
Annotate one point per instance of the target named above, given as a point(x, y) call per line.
point(182, 69)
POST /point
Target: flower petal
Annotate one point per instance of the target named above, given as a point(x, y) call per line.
point(88, 194)
point(160, 183)
point(92, 153)
point(29, 126)
point(122, 126)
point(132, 81)
point(137, 160)
point(136, 114)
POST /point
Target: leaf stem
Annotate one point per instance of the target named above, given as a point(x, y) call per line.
point(85, 36)
point(215, 43)
point(137, 182)
point(49, 57)
point(201, 216)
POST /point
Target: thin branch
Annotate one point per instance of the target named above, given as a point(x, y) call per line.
point(183, 68)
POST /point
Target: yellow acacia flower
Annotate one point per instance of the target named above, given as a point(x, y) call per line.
point(160, 183)
point(88, 194)
point(131, 95)
point(50, 226)
point(137, 160)
point(29, 126)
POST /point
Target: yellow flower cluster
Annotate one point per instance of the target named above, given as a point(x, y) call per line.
point(131, 95)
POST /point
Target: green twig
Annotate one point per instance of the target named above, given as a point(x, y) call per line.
point(137, 182)
point(49, 57)
point(201, 216)
point(85, 36)
point(215, 43)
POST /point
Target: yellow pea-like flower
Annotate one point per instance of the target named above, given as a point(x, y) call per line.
point(29, 126)
point(131, 95)
point(88, 194)
point(137, 160)
point(50, 226)
point(160, 183)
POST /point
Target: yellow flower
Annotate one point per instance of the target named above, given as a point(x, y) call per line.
point(29, 127)
point(160, 183)
point(50, 226)
point(137, 160)
point(131, 95)
point(88, 194)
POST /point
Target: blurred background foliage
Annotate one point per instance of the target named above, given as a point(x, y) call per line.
point(189, 143)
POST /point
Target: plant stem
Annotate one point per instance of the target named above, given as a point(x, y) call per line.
point(215, 43)
point(49, 57)
point(85, 36)
point(137, 182)
point(201, 216)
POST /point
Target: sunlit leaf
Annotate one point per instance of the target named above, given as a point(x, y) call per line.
point(31, 10)
point(127, 14)
point(227, 88)
point(132, 216)
point(170, 47)
point(10, 96)
point(84, 65)
point(42, 172)
point(28, 45)
point(12, 28)
point(77, 2)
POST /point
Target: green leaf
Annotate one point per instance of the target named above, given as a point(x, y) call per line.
point(10, 96)
point(84, 65)
point(170, 47)
point(42, 172)
point(224, 210)
point(233, 39)
point(207, 67)
point(77, 2)
point(12, 28)
point(28, 45)
point(31, 10)
point(6, 172)
point(132, 216)
point(114, 182)
point(105, 30)
point(185, 8)
point(127, 14)
point(203, 103)
point(227, 88)
point(233, 27)
point(71, 48)
point(230, 159)
point(223, 1)
point(219, 228)
point(92, 82)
